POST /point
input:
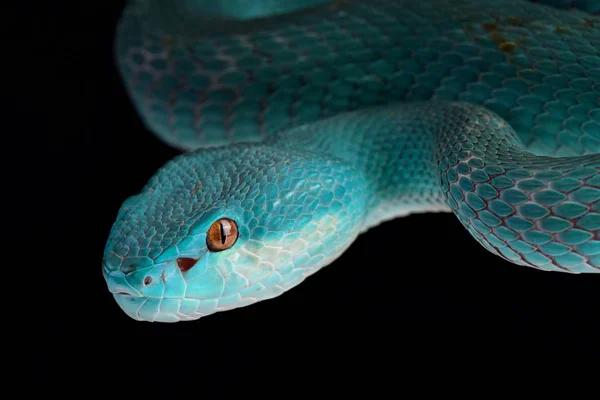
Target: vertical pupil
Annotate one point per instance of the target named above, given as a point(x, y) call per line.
point(222, 232)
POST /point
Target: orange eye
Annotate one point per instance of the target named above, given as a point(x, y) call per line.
point(222, 234)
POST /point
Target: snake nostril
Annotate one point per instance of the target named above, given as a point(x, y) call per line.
point(185, 263)
point(147, 280)
point(124, 293)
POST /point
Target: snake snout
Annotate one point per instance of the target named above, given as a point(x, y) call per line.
point(118, 284)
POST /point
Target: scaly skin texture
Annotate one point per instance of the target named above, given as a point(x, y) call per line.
point(334, 118)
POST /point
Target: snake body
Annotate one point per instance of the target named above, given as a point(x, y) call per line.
point(305, 124)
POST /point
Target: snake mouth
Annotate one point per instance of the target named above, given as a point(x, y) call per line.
point(125, 293)
point(118, 284)
point(122, 293)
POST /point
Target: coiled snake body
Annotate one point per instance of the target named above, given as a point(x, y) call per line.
point(306, 123)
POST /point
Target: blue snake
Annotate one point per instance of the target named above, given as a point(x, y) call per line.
point(303, 124)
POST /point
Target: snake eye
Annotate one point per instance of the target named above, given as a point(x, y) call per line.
point(222, 234)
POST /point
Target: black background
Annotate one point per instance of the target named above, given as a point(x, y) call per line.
point(414, 291)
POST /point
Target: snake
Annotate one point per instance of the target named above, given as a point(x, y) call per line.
point(301, 125)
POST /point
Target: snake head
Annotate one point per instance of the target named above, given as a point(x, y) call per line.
point(221, 228)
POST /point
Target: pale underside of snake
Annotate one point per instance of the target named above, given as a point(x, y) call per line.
point(303, 124)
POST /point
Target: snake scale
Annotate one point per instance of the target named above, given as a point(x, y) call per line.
point(303, 124)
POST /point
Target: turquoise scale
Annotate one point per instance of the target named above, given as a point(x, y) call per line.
point(309, 123)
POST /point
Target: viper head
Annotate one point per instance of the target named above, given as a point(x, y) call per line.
point(221, 228)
